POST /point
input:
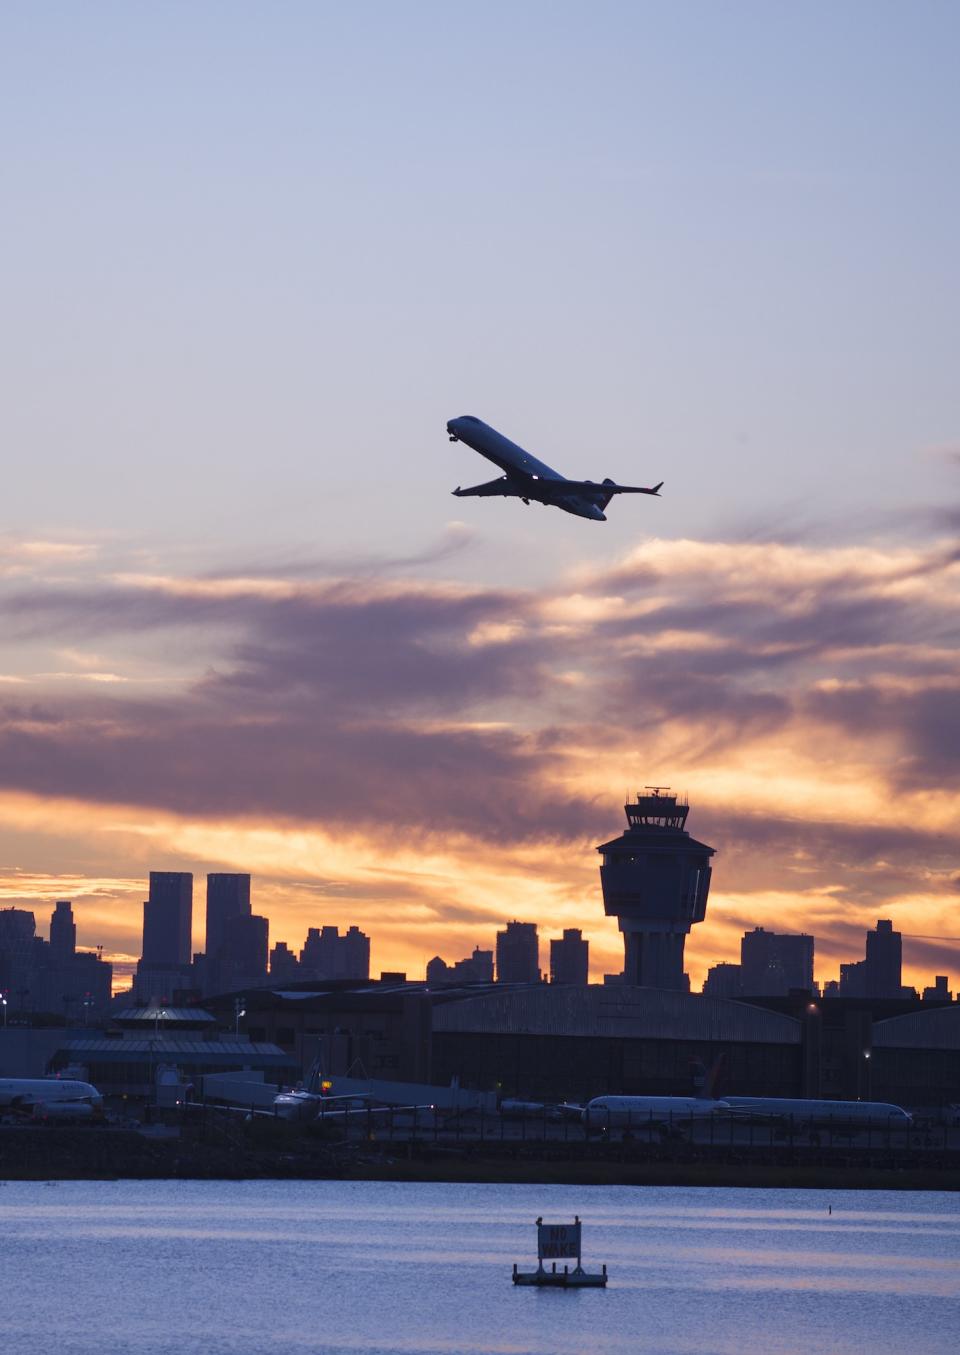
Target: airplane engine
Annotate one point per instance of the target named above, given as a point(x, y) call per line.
point(69, 1111)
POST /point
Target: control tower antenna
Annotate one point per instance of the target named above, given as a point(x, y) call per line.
point(655, 879)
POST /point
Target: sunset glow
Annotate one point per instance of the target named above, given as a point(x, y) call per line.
point(429, 760)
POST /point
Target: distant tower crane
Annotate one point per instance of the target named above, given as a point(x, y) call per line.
point(655, 879)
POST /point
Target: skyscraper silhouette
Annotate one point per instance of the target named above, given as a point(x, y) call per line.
point(168, 919)
point(63, 932)
point(518, 953)
point(569, 958)
point(771, 963)
point(883, 968)
point(228, 897)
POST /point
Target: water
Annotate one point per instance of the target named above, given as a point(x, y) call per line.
point(227, 1268)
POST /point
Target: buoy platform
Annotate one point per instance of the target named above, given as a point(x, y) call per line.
point(557, 1240)
point(578, 1278)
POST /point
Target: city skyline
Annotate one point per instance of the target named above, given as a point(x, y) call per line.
point(786, 959)
point(242, 628)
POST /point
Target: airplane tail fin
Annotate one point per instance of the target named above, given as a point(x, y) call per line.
point(704, 1082)
point(607, 497)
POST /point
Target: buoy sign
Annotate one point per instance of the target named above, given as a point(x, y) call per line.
point(558, 1240)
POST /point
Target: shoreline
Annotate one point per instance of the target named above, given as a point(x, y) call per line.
point(53, 1154)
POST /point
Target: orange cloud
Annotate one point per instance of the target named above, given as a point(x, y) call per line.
point(429, 760)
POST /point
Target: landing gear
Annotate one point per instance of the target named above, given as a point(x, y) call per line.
point(454, 438)
point(527, 502)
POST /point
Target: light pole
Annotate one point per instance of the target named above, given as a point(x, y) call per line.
point(239, 1010)
point(3, 1000)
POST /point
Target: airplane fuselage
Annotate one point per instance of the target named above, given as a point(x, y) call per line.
point(825, 1114)
point(24, 1092)
point(605, 1112)
point(527, 477)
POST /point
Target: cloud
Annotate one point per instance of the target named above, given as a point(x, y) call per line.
point(804, 694)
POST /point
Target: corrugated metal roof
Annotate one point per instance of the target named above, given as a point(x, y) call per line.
point(938, 1028)
point(119, 1050)
point(195, 1015)
point(617, 1012)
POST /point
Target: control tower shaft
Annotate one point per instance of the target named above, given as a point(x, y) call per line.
point(655, 879)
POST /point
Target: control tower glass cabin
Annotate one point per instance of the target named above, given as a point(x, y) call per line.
point(655, 879)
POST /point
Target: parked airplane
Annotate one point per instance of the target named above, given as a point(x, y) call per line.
point(316, 1101)
point(300, 1104)
point(819, 1114)
point(527, 478)
point(32, 1095)
point(639, 1112)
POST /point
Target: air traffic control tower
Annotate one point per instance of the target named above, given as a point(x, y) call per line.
point(655, 880)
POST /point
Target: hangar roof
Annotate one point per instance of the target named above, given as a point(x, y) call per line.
point(615, 1011)
point(938, 1028)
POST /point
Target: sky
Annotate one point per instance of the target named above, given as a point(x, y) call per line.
point(255, 257)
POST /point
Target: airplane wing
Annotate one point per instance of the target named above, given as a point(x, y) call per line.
point(605, 487)
point(504, 485)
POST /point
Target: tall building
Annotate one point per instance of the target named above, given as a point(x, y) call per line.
point(231, 941)
point(356, 954)
point(884, 961)
point(63, 932)
point(438, 971)
point(284, 965)
point(476, 968)
point(723, 980)
point(328, 955)
point(228, 897)
point(51, 976)
point(570, 958)
point(853, 979)
point(242, 957)
point(20, 948)
point(938, 991)
point(168, 919)
point(518, 953)
point(772, 963)
point(655, 879)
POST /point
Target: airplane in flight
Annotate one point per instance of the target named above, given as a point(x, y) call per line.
point(527, 478)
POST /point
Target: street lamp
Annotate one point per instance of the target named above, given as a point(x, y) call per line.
point(3, 1000)
point(239, 1010)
